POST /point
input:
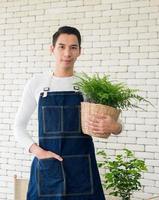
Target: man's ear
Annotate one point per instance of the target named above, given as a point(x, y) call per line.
point(51, 49)
point(80, 51)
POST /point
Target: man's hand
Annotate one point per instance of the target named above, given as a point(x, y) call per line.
point(42, 154)
point(98, 124)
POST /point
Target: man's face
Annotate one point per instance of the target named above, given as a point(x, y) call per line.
point(66, 51)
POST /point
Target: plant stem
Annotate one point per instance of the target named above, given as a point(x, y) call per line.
point(127, 197)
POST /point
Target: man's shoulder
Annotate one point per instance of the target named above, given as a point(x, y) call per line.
point(39, 78)
point(77, 76)
point(37, 81)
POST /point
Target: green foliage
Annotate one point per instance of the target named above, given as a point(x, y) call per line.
point(102, 91)
point(123, 173)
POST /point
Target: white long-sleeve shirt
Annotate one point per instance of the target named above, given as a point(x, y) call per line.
point(30, 99)
point(29, 102)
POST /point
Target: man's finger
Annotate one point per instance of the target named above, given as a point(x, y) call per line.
point(57, 157)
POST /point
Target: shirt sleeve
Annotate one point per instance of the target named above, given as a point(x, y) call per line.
point(27, 107)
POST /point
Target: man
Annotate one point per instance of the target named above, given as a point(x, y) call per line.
point(64, 166)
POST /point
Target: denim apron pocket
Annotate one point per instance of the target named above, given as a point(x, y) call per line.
point(51, 124)
point(50, 177)
point(54, 124)
point(78, 170)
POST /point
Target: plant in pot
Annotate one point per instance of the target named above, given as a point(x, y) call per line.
point(122, 174)
point(104, 97)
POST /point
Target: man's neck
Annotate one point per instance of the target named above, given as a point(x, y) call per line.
point(63, 73)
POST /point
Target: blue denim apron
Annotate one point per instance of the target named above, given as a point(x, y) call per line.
point(77, 176)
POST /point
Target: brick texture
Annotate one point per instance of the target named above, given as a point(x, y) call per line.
point(119, 37)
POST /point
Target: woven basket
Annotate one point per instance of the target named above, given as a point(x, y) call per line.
point(92, 108)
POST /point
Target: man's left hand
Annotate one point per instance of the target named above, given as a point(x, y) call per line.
point(98, 124)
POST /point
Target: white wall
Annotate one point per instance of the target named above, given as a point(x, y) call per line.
point(120, 38)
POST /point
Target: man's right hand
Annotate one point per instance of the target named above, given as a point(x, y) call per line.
point(42, 154)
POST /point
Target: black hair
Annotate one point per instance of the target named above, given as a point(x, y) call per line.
point(67, 30)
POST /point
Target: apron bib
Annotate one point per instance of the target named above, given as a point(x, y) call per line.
point(59, 126)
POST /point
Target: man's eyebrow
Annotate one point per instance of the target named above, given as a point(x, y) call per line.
point(74, 45)
point(70, 45)
point(60, 44)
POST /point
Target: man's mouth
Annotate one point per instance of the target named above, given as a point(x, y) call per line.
point(67, 61)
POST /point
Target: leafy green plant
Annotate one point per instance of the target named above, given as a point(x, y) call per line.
point(101, 90)
point(123, 173)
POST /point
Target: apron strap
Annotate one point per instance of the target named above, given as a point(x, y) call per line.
point(75, 87)
point(47, 88)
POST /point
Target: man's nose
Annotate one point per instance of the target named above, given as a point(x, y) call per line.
point(67, 53)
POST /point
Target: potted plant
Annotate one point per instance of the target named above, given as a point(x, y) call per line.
point(122, 174)
point(104, 97)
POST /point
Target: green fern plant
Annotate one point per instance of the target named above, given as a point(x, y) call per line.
point(101, 90)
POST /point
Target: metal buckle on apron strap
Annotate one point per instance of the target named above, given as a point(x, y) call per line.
point(76, 88)
point(46, 89)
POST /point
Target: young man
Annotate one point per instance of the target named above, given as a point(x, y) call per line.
point(64, 166)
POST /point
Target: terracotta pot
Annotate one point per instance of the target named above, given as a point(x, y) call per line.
point(92, 108)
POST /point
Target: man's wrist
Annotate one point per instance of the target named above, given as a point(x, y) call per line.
point(34, 149)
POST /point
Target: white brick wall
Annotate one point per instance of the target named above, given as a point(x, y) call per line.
point(120, 38)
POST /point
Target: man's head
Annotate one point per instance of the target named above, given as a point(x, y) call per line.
point(66, 30)
point(66, 47)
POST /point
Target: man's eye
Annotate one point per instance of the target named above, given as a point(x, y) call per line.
point(61, 47)
point(74, 47)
